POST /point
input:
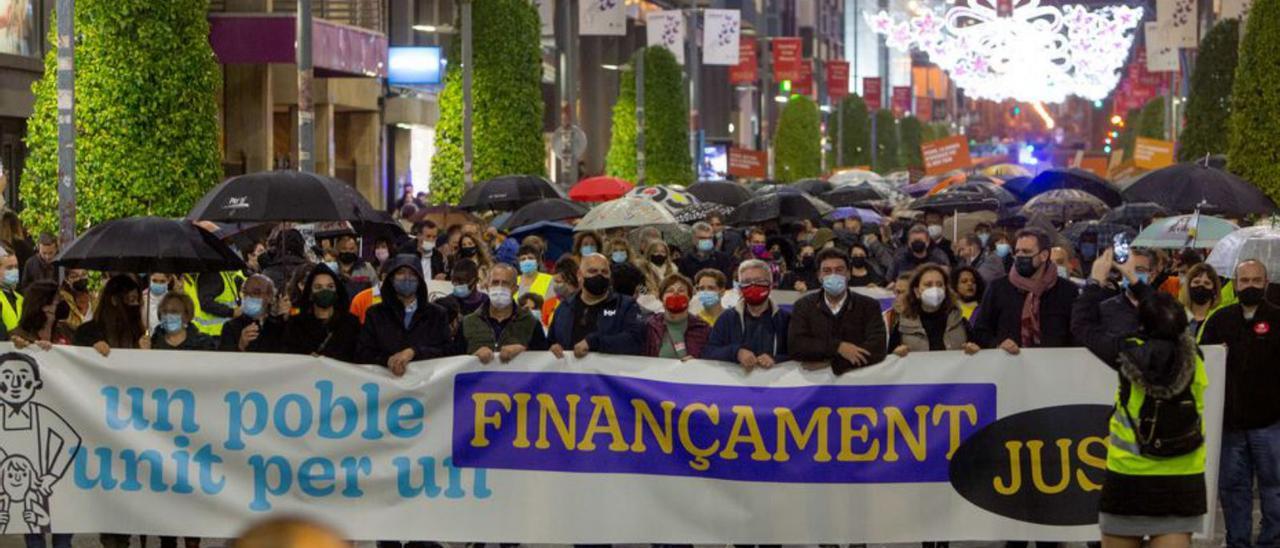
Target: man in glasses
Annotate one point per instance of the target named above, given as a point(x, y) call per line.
point(754, 332)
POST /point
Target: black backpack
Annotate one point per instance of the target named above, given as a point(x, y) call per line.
point(1166, 427)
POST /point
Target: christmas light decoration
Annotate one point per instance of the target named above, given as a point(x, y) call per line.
point(1026, 52)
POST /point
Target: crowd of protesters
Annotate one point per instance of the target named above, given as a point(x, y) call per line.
point(633, 292)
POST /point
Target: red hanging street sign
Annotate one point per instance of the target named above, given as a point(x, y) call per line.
point(901, 100)
point(786, 58)
point(804, 84)
point(745, 71)
point(837, 80)
point(871, 88)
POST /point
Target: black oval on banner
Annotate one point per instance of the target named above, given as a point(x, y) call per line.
point(1015, 466)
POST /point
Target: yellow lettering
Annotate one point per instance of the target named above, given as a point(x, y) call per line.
point(847, 433)
point(1015, 470)
point(954, 412)
point(787, 424)
point(484, 419)
point(1091, 460)
point(1037, 471)
point(915, 441)
point(547, 409)
point(700, 454)
point(603, 408)
point(745, 416)
point(644, 416)
point(522, 420)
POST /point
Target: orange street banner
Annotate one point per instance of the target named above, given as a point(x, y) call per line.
point(747, 163)
point(1152, 153)
point(945, 155)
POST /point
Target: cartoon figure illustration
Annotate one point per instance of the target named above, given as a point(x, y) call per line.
point(36, 444)
point(21, 510)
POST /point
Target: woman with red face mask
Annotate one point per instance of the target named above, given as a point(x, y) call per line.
point(675, 333)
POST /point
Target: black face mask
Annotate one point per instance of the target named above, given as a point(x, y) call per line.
point(1200, 295)
point(80, 286)
point(918, 246)
point(805, 263)
point(1250, 296)
point(347, 257)
point(1025, 266)
point(468, 252)
point(596, 285)
point(857, 261)
point(658, 260)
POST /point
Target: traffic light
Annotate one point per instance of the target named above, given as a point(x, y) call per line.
point(784, 87)
point(1017, 111)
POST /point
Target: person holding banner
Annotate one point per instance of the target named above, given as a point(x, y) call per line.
point(499, 327)
point(117, 322)
point(836, 325)
point(754, 332)
point(929, 318)
point(175, 330)
point(675, 333)
point(405, 327)
point(39, 324)
point(324, 325)
point(260, 319)
point(597, 318)
point(1029, 308)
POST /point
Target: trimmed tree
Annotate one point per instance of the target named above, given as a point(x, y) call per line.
point(1209, 103)
point(1151, 120)
point(666, 129)
point(1128, 137)
point(798, 141)
point(1254, 152)
point(506, 98)
point(911, 131)
point(856, 147)
point(886, 154)
point(146, 115)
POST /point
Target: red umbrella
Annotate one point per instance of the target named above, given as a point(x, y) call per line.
point(599, 189)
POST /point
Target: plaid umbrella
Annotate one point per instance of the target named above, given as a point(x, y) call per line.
point(1135, 214)
point(1098, 231)
point(869, 193)
point(1065, 206)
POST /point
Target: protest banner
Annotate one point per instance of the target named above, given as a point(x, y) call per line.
point(604, 449)
point(946, 154)
point(747, 163)
point(1152, 153)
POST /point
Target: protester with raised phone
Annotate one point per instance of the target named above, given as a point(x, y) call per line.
point(259, 322)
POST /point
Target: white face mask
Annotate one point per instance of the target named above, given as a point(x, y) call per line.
point(932, 297)
point(500, 297)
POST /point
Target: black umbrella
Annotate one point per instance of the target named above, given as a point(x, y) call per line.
point(783, 207)
point(1073, 178)
point(1066, 205)
point(816, 187)
point(1182, 188)
point(546, 209)
point(1097, 231)
point(863, 194)
point(1135, 214)
point(966, 198)
point(276, 196)
point(509, 192)
point(149, 244)
point(720, 192)
point(700, 211)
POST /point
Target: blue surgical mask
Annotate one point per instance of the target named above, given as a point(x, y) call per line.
point(1002, 250)
point(1089, 250)
point(171, 323)
point(983, 237)
point(333, 265)
point(11, 277)
point(158, 290)
point(587, 250)
point(251, 306)
point(406, 287)
point(1144, 278)
point(1063, 272)
point(528, 266)
point(834, 283)
point(706, 246)
point(461, 291)
point(619, 257)
point(708, 298)
point(1124, 280)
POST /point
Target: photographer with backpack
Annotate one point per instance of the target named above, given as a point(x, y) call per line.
point(1155, 486)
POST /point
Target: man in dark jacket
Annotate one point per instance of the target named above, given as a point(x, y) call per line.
point(259, 322)
point(499, 328)
point(404, 326)
point(1102, 313)
point(753, 333)
point(918, 251)
point(836, 324)
point(705, 254)
point(1032, 289)
point(597, 319)
point(1251, 430)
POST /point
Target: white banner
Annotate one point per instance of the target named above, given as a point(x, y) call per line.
point(602, 17)
point(547, 15)
point(1236, 9)
point(666, 29)
point(721, 31)
point(1162, 56)
point(606, 449)
point(1178, 19)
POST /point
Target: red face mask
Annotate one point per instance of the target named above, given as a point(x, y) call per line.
point(676, 303)
point(755, 294)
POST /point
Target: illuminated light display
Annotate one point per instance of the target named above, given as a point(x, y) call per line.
point(1033, 53)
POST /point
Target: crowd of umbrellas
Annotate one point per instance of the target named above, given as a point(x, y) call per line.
point(1184, 205)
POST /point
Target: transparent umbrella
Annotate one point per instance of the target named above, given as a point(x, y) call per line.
point(1228, 252)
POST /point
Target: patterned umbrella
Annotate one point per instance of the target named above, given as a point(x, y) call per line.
point(1078, 179)
point(1194, 230)
point(854, 176)
point(675, 198)
point(700, 211)
point(1065, 206)
point(1097, 231)
point(1135, 214)
point(866, 194)
point(625, 213)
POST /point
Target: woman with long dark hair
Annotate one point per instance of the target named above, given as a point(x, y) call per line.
point(117, 321)
point(324, 325)
point(39, 324)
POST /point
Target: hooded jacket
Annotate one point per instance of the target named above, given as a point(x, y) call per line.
point(333, 338)
point(384, 332)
